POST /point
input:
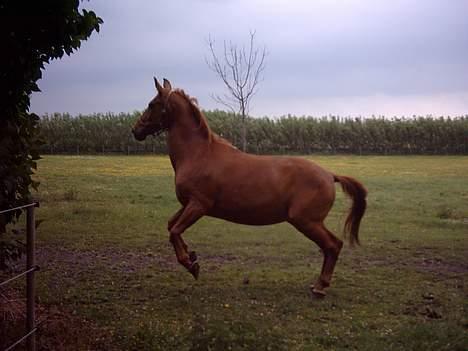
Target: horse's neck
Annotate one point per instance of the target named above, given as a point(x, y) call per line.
point(185, 142)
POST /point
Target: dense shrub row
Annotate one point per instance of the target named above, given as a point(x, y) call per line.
point(109, 133)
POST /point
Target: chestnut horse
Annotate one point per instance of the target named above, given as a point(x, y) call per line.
point(213, 178)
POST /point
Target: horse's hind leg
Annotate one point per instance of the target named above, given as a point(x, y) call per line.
point(331, 247)
point(177, 225)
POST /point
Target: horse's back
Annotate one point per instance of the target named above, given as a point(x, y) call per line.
point(254, 189)
point(279, 172)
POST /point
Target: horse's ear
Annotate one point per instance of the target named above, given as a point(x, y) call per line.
point(157, 85)
point(167, 84)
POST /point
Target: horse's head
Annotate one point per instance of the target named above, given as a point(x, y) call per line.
point(154, 119)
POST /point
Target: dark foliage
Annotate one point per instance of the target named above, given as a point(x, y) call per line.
point(31, 34)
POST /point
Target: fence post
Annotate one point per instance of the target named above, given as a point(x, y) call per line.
point(30, 285)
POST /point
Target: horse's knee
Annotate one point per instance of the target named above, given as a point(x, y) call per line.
point(338, 246)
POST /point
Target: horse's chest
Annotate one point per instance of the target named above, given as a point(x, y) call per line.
point(182, 195)
point(195, 185)
point(188, 190)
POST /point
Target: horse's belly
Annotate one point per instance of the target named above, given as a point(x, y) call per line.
point(251, 215)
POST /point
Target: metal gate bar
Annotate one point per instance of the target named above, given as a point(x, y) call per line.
point(30, 278)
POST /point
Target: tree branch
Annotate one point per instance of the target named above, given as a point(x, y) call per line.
point(241, 72)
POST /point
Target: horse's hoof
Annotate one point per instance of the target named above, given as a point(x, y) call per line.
point(195, 270)
point(318, 293)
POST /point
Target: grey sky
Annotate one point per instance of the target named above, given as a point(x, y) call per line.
point(399, 57)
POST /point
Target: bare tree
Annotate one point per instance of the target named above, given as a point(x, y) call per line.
point(241, 70)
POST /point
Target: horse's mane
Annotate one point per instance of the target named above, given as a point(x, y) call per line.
point(200, 117)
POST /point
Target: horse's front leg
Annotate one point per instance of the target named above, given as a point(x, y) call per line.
point(174, 218)
point(188, 216)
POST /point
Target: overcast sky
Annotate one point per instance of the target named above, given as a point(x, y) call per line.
point(399, 57)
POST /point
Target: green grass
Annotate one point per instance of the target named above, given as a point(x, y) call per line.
point(106, 257)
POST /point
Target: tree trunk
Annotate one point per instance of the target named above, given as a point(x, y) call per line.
point(244, 137)
point(244, 131)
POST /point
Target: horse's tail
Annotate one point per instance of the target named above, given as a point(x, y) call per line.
point(357, 192)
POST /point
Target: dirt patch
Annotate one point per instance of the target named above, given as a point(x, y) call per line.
point(428, 307)
point(74, 263)
point(427, 260)
point(438, 265)
point(432, 260)
point(120, 260)
point(112, 259)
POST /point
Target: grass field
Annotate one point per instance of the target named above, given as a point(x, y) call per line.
point(106, 258)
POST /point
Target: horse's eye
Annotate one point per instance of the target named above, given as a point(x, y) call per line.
point(151, 105)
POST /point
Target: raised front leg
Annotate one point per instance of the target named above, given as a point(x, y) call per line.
point(188, 216)
point(174, 218)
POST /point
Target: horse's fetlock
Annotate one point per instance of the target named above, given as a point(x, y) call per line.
point(182, 260)
point(324, 283)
